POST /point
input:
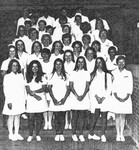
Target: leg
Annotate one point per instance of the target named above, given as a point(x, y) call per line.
point(45, 120)
point(66, 120)
point(56, 122)
point(39, 120)
point(117, 125)
point(31, 119)
point(104, 122)
point(62, 121)
point(74, 121)
point(122, 125)
point(10, 124)
point(82, 120)
point(50, 116)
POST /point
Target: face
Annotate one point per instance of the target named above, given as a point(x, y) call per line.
point(78, 20)
point(20, 46)
point(112, 53)
point(80, 63)
point(103, 35)
point(90, 55)
point(27, 26)
point(96, 47)
point(46, 41)
point(86, 40)
point(121, 64)
point(66, 29)
point(57, 47)
point(50, 31)
point(33, 35)
point(37, 47)
point(34, 68)
point(77, 50)
point(14, 67)
point(64, 12)
point(66, 41)
point(45, 56)
point(12, 52)
point(58, 66)
point(41, 26)
point(99, 64)
point(21, 31)
point(68, 57)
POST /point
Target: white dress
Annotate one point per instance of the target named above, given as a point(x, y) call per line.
point(14, 91)
point(79, 79)
point(97, 87)
point(59, 88)
point(122, 85)
point(33, 105)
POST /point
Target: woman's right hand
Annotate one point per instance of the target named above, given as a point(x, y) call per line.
point(37, 97)
point(9, 105)
point(56, 102)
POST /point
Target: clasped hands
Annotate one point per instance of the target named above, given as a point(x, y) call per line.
point(99, 99)
point(61, 102)
point(35, 96)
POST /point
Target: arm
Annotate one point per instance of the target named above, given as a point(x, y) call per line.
point(52, 95)
point(41, 90)
point(73, 90)
point(66, 96)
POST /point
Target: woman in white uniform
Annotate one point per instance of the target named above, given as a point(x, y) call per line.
point(122, 90)
point(14, 91)
point(59, 91)
point(100, 96)
point(79, 84)
point(36, 102)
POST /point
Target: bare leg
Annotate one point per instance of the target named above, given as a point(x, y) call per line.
point(10, 124)
point(122, 117)
point(117, 125)
point(45, 120)
point(50, 116)
point(17, 123)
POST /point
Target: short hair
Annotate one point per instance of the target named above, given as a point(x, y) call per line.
point(42, 21)
point(94, 52)
point(85, 27)
point(53, 47)
point(102, 31)
point(46, 35)
point(77, 42)
point(27, 22)
point(119, 58)
point(111, 48)
point(86, 36)
point(46, 51)
point(31, 30)
point(66, 35)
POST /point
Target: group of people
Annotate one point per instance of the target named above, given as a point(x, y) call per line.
point(66, 69)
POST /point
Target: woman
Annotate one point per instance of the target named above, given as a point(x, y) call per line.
point(14, 91)
point(100, 94)
point(36, 102)
point(79, 84)
point(90, 55)
point(122, 90)
point(46, 41)
point(59, 80)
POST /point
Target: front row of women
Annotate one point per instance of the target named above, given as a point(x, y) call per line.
point(99, 93)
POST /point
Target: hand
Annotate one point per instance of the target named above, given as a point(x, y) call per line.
point(80, 98)
point(9, 105)
point(99, 100)
point(37, 97)
point(56, 102)
point(62, 101)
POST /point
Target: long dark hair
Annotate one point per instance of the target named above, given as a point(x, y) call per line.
point(63, 72)
point(76, 65)
point(29, 74)
point(104, 69)
point(71, 52)
point(32, 48)
point(53, 47)
point(10, 66)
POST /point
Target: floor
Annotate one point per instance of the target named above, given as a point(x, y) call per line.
point(48, 142)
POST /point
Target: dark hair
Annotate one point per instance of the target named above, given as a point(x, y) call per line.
point(50, 27)
point(77, 16)
point(31, 30)
point(96, 42)
point(104, 69)
point(102, 31)
point(76, 64)
point(62, 18)
point(24, 49)
point(42, 21)
point(70, 51)
point(46, 51)
point(47, 35)
point(66, 25)
point(97, 20)
point(77, 42)
point(66, 35)
point(21, 26)
point(32, 48)
point(63, 72)
point(85, 27)
point(94, 52)
point(111, 48)
point(119, 58)
point(86, 36)
point(10, 66)
point(29, 74)
point(12, 46)
point(53, 47)
point(27, 22)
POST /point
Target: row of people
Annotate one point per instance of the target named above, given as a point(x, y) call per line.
point(78, 91)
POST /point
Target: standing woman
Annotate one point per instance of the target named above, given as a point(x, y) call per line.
point(14, 91)
point(122, 90)
point(79, 84)
point(100, 93)
point(59, 92)
point(36, 102)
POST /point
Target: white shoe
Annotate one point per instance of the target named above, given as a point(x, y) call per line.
point(122, 138)
point(13, 137)
point(29, 139)
point(74, 138)
point(24, 116)
point(45, 127)
point(50, 127)
point(81, 137)
point(57, 137)
point(118, 138)
point(94, 137)
point(38, 138)
point(66, 126)
point(70, 127)
point(61, 137)
point(103, 138)
point(19, 137)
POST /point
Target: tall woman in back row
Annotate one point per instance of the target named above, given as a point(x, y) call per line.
point(100, 94)
point(122, 90)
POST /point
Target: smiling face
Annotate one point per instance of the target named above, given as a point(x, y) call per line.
point(90, 55)
point(99, 64)
point(12, 52)
point(80, 63)
point(34, 68)
point(14, 67)
point(46, 41)
point(121, 64)
point(37, 47)
point(76, 50)
point(103, 35)
point(68, 57)
point(57, 48)
point(20, 46)
point(58, 66)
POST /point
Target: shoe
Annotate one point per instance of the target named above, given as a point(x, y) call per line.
point(74, 138)
point(94, 137)
point(118, 138)
point(50, 127)
point(103, 138)
point(57, 137)
point(61, 137)
point(81, 137)
point(29, 139)
point(70, 127)
point(24, 116)
point(38, 138)
point(122, 138)
point(45, 127)
point(19, 137)
point(13, 137)
point(66, 126)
